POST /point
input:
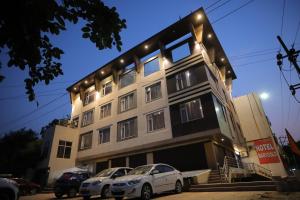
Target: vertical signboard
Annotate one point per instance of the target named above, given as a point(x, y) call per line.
point(266, 151)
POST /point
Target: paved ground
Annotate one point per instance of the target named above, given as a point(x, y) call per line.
point(199, 196)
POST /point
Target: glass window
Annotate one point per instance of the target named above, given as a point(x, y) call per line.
point(181, 52)
point(64, 149)
point(75, 122)
point(127, 102)
point(183, 80)
point(127, 78)
point(151, 66)
point(89, 97)
point(153, 92)
point(107, 88)
point(191, 110)
point(87, 118)
point(155, 121)
point(85, 140)
point(104, 135)
point(127, 129)
point(105, 110)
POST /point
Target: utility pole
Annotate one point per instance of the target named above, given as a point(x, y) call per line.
point(292, 55)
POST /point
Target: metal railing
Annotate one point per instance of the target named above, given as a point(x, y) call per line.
point(254, 168)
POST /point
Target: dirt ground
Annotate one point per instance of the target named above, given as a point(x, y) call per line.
point(199, 196)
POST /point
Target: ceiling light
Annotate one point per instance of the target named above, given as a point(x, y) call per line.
point(146, 47)
point(121, 61)
point(86, 82)
point(222, 59)
point(102, 72)
point(222, 139)
point(75, 88)
point(228, 71)
point(199, 16)
point(209, 35)
point(264, 96)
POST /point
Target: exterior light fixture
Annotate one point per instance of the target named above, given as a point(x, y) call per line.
point(146, 47)
point(102, 72)
point(209, 35)
point(121, 61)
point(197, 46)
point(228, 72)
point(222, 139)
point(199, 16)
point(222, 59)
point(75, 88)
point(264, 96)
point(86, 82)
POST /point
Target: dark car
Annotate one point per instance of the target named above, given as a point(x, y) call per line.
point(26, 187)
point(69, 183)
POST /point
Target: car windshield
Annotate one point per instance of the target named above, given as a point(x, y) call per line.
point(140, 170)
point(105, 173)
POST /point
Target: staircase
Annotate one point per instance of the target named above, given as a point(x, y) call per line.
point(214, 177)
point(238, 186)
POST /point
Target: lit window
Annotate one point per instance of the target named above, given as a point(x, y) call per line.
point(151, 66)
point(89, 97)
point(127, 129)
point(127, 78)
point(153, 92)
point(75, 122)
point(104, 135)
point(64, 149)
point(105, 110)
point(87, 118)
point(180, 52)
point(183, 80)
point(127, 102)
point(191, 110)
point(85, 140)
point(155, 121)
point(107, 88)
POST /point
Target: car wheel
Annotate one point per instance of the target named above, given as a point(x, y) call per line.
point(178, 187)
point(105, 191)
point(146, 192)
point(33, 191)
point(118, 198)
point(72, 193)
point(4, 196)
point(58, 195)
point(86, 197)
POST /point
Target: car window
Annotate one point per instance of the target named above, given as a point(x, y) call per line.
point(119, 172)
point(128, 170)
point(168, 168)
point(160, 168)
point(83, 176)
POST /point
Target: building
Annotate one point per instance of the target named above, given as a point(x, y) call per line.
point(168, 100)
point(263, 147)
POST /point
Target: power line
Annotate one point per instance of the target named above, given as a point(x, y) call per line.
point(8, 124)
point(23, 96)
point(211, 5)
point(255, 62)
point(22, 85)
point(297, 30)
point(233, 11)
point(282, 18)
point(218, 6)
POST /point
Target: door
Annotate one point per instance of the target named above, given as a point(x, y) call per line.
point(159, 180)
point(171, 177)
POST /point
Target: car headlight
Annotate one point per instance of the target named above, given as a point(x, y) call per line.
point(96, 183)
point(134, 182)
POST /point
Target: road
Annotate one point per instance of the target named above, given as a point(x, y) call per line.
point(198, 196)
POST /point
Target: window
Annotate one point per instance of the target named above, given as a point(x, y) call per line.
point(64, 149)
point(180, 52)
point(151, 66)
point(104, 135)
point(89, 97)
point(127, 102)
point(183, 80)
point(153, 92)
point(127, 129)
point(155, 121)
point(85, 140)
point(75, 122)
point(105, 110)
point(87, 118)
point(107, 88)
point(127, 78)
point(191, 110)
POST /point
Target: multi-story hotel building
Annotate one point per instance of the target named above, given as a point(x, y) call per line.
point(167, 100)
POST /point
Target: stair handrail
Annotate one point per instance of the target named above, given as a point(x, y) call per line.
point(225, 171)
point(258, 169)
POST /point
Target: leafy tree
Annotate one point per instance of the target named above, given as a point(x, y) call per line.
point(25, 26)
point(19, 150)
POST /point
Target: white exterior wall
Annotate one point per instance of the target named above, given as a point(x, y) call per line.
point(255, 126)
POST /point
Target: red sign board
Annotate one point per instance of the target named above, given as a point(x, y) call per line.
point(266, 151)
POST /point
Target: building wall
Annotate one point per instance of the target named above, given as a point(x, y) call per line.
point(57, 165)
point(255, 126)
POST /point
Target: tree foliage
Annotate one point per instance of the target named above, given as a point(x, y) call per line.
point(19, 150)
point(25, 26)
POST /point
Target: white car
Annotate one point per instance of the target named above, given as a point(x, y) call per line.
point(8, 189)
point(144, 181)
point(100, 184)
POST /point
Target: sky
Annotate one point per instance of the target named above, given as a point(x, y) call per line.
point(248, 37)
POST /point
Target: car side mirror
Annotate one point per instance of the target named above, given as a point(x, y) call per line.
point(155, 171)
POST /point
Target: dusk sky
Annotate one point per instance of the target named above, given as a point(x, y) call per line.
point(248, 37)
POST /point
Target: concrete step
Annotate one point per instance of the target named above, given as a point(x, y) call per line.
point(235, 188)
point(253, 183)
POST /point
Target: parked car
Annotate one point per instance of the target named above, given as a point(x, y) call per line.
point(26, 187)
point(144, 181)
point(8, 189)
point(100, 184)
point(69, 183)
